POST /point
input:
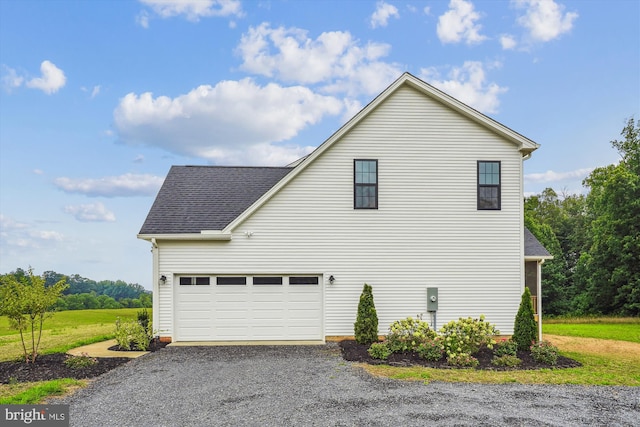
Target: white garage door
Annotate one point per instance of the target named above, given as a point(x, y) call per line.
point(248, 308)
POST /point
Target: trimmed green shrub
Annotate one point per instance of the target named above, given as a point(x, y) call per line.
point(407, 334)
point(431, 349)
point(366, 326)
point(525, 329)
point(144, 319)
point(505, 348)
point(545, 352)
point(379, 350)
point(462, 360)
point(467, 335)
point(506, 360)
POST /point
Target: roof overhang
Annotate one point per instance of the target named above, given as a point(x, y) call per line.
point(203, 235)
point(538, 257)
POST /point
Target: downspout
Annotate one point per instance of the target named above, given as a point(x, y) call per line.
point(539, 299)
point(156, 287)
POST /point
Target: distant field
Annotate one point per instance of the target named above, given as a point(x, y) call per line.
point(606, 331)
point(65, 330)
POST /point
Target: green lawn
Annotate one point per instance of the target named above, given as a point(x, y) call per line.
point(605, 331)
point(65, 330)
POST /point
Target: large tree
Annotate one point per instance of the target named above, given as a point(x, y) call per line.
point(612, 266)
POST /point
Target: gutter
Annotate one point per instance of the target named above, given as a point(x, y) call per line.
point(203, 235)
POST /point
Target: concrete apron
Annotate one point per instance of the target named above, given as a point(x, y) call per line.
point(238, 343)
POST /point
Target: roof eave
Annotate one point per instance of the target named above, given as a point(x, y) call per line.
point(537, 257)
point(203, 235)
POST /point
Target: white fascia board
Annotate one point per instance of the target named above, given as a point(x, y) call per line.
point(537, 257)
point(203, 235)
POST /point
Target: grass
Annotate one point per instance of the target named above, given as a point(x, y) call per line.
point(62, 332)
point(606, 360)
point(606, 328)
point(65, 330)
point(31, 393)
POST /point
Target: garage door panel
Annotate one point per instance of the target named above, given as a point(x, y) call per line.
point(249, 312)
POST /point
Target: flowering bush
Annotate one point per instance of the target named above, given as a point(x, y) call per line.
point(544, 352)
point(379, 350)
point(408, 334)
point(506, 360)
point(79, 362)
point(505, 347)
point(131, 335)
point(467, 335)
point(431, 349)
point(462, 360)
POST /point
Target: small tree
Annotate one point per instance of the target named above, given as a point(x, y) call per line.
point(25, 301)
point(366, 326)
point(525, 327)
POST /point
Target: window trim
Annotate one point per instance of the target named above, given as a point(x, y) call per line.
point(498, 186)
point(368, 185)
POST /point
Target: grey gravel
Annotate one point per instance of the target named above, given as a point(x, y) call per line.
point(313, 386)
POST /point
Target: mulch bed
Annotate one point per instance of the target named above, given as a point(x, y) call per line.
point(52, 367)
point(354, 352)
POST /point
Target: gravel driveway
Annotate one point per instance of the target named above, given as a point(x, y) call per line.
point(312, 385)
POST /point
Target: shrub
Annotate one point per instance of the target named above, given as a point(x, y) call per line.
point(131, 335)
point(505, 348)
point(379, 350)
point(366, 326)
point(431, 349)
point(506, 360)
point(144, 320)
point(525, 327)
point(467, 335)
point(462, 360)
point(545, 352)
point(79, 362)
point(408, 334)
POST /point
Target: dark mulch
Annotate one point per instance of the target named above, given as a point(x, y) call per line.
point(154, 345)
point(355, 352)
point(51, 366)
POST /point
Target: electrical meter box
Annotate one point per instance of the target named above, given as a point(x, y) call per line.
point(432, 299)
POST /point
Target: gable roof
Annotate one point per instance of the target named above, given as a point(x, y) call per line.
point(523, 144)
point(197, 198)
point(533, 249)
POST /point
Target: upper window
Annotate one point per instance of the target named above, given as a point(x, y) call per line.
point(365, 180)
point(488, 185)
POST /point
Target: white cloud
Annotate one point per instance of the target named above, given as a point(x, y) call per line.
point(192, 10)
point(384, 11)
point(38, 171)
point(335, 60)
point(10, 78)
point(127, 185)
point(52, 79)
point(218, 122)
point(139, 159)
point(468, 84)
point(507, 42)
point(552, 176)
point(21, 236)
point(93, 212)
point(427, 10)
point(459, 24)
point(95, 91)
point(545, 19)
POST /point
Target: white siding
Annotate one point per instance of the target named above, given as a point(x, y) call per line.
point(427, 231)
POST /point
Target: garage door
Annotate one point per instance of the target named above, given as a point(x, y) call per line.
point(248, 308)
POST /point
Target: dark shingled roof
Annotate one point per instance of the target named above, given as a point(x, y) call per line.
point(532, 247)
point(196, 198)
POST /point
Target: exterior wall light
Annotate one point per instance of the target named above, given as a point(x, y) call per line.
point(331, 279)
point(163, 280)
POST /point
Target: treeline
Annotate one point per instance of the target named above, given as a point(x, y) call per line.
point(84, 293)
point(595, 239)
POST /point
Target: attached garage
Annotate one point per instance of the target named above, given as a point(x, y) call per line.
point(248, 308)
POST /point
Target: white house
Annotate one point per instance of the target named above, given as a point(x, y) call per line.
point(417, 191)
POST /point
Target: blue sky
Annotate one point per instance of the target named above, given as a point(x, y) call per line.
point(100, 98)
